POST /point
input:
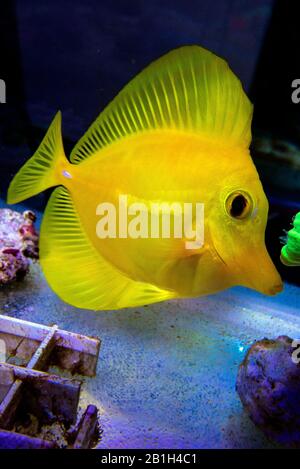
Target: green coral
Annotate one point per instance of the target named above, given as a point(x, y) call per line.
point(290, 253)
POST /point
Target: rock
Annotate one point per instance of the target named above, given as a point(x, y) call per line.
point(268, 384)
point(18, 244)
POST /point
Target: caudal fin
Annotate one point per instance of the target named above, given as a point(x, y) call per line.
point(39, 172)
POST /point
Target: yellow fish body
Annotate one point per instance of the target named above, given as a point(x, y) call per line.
point(178, 133)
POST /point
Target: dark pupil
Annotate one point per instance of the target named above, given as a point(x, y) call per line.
point(238, 206)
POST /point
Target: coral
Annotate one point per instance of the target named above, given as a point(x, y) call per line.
point(268, 384)
point(18, 244)
point(290, 253)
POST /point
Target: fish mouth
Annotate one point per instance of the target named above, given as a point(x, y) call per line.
point(270, 289)
point(275, 289)
point(260, 274)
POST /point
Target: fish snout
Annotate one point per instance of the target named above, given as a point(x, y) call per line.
point(274, 289)
point(266, 286)
point(260, 274)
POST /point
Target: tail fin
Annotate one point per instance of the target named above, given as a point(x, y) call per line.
point(39, 173)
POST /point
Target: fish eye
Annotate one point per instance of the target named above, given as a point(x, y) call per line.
point(239, 205)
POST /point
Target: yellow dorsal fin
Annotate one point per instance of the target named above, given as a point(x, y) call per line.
point(189, 89)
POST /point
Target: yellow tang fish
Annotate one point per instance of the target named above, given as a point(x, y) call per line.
point(179, 132)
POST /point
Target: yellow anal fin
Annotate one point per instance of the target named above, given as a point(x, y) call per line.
point(77, 272)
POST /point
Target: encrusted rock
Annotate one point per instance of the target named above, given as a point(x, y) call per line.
point(268, 384)
point(18, 243)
